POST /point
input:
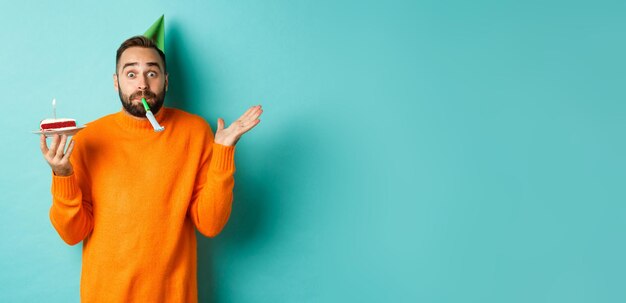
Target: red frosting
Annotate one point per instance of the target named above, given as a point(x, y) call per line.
point(58, 124)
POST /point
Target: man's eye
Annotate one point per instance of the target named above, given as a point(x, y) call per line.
point(152, 74)
point(131, 75)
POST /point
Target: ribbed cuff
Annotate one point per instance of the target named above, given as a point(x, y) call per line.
point(65, 187)
point(223, 158)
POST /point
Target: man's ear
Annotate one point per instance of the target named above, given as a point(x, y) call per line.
point(166, 80)
point(117, 89)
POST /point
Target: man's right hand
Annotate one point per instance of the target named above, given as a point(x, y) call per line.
point(57, 159)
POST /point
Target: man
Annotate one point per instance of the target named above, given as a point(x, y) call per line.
point(134, 196)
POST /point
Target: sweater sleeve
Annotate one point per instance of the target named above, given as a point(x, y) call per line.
point(71, 211)
point(212, 201)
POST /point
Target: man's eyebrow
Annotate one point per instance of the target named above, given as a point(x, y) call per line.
point(129, 64)
point(135, 64)
point(155, 64)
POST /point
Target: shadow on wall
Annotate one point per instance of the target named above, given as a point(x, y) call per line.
point(245, 224)
point(177, 88)
point(259, 203)
point(257, 184)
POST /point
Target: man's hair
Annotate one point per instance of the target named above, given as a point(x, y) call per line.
point(138, 41)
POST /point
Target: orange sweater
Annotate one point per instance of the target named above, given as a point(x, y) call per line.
point(134, 199)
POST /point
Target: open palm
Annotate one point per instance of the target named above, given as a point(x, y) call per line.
point(230, 135)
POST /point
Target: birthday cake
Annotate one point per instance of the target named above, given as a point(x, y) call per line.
point(51, 124)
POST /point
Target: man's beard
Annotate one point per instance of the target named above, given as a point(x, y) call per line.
point(136, 109)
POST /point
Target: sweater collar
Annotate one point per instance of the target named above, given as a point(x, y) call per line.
point(133, 123)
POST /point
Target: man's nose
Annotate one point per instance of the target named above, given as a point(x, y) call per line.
point(143, 83)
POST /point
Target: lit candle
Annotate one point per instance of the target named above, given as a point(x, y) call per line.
point(54, 108)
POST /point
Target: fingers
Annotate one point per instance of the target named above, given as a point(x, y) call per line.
point(245, 126)
point(252, 113)
point(247, 113)
point(43, 145)
point(249, 120)
point(254, 119)
point(252, 125)
point(256, 112)
point(57, 146)
point(61, 147)
point(69, 150)
point(54, 145)
point(245, 123)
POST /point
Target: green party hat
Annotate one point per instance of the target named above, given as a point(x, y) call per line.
point(156, 33)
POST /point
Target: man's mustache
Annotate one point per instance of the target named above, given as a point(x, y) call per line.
point(145, 94)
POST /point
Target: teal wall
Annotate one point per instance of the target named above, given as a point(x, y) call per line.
point(410, 151)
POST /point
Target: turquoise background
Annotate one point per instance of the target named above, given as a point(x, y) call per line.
point(410, 151)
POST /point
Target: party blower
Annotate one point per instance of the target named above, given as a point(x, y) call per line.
point(150, 116)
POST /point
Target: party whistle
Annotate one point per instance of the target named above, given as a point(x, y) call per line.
point(150, 116)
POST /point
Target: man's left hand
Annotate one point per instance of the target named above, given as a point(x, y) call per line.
point(230, 135)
